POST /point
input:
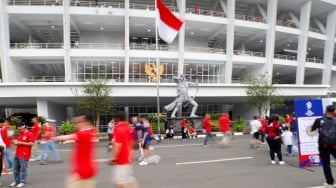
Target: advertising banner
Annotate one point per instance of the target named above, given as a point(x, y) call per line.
point(306, 111)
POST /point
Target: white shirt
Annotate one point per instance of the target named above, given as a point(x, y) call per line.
point(2, 143)
point(255, 126)
point(110, 128)
point(287, 138)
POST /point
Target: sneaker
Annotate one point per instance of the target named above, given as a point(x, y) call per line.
point(326, 185)
point(273, 162)
point(282, 162)
point(143, 163)
point(20, 185)
point(12, 184)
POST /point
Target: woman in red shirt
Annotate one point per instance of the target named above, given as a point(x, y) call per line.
point(274, 139)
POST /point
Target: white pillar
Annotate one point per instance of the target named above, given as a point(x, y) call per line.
point(182, 7)
point(4, 41)
point(229, 40)
point(66, 40)
point(329, 46)
point(303, 41)
point(127, 35)
point(42, 107)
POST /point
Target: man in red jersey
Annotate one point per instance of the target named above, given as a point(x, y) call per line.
point(122, 153)
point(84, 169)
point(36, 130)
point(207, 126)
point(7, 136)
point(47, 142)
point(24, 143)
point(224, 123)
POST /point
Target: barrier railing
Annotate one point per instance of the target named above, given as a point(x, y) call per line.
point(36, 45)
point(248, 53)
point(98, 46)
point(102, 4)
point(152, 47)
point(149, 7)
point(314, 60)
point(36, 2)
point(205, 12)
point(316, 30)
point(45, 79)
point(250, 18)
point(287, 57)
point(205, 50)
point(286, 24)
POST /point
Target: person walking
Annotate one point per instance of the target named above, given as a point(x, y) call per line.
point(122, 154)
point(84, 168)
point(274, 139)
point(24, 143)
point(36, 130)
point(110, 130)
point(287, 139)
point(48, 144)
point(224, 123)
point(207, 126)
point(147, 134)
point(326, 127)
point(7, 136)
point(255, 125)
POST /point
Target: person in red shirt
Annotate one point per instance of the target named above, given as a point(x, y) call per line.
point(24, 143)
point(7, 136)
point(191, 131)
point(84, 169)
point(36, 130)
point(47, 132)
point(207, 126)
point(183, 128)
point(288, 121)
point(122, 154)
point(274, 139)
point(224, 123)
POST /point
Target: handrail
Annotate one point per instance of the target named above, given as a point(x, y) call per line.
point(206, 50)
point(287, 57)
point(36, 45)
point(36, 2)
point(134, 46)
point(250, 18)
point(149, 7)
point(98, 46)
point(205, 12)
point(45, 79)
point(102, 4)
point(286, 24)
point(314, 60)
point(248, 53)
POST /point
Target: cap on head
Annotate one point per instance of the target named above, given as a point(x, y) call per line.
point(330, 108)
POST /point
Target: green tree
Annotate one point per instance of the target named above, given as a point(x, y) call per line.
point(262, 94)
point(94, 98)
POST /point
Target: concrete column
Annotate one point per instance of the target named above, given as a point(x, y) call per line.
point(126, 109)
point(303, 41)
point(66, 40)
point(182, 7)
point(127, 31)
point(270, 37)
point(229, 40)
point(42, 108)
point(70, 113)
point(329, 46)
point(4, 41)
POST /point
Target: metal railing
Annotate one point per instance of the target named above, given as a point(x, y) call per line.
point(248, 53)
point(36, 2)
point(45, 79)
point(250, 18)
point(98, 46)
point(102, 4)
point(149, 7)
point(205, 12)
point(205, 50)
point(152, 47)
point(36, 45)
point(316, 30)
point(286, 57)
point(314, 60)
point(286, 24)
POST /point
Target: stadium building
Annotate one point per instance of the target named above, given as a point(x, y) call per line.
point(49, 47)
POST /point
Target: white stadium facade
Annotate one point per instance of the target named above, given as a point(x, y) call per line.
point(49, 47)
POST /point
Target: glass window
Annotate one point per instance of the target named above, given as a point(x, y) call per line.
point(204, 72)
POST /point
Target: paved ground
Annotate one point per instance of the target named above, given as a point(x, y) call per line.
point(188, 164)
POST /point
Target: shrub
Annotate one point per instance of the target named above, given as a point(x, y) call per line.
point(239, 125)
point(67, 128)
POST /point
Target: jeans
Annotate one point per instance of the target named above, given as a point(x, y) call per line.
point(325, 153)
point(207, 136)
point(289, 149)
point(20, 170)
point(49, 145)
point(8, 157)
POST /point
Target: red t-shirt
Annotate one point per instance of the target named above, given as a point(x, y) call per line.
point(48, 132)
point(36, 131)
point(191, 130)
point(83, 155)
point(4, 134)
point(273, 129)
point(183, 123)
point(24, 152)
point(207, 125)
point(123, 136)
point(224, 123)
point(288, 120)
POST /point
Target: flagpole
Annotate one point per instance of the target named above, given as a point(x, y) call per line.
point(157, 70)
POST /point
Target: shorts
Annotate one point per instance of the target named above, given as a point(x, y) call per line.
point(80, 183)
point(256, 135)
point(123, 174)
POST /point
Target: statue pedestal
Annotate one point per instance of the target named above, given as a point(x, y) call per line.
point(176, 122)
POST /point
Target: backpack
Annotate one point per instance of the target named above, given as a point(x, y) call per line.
point(327, 131)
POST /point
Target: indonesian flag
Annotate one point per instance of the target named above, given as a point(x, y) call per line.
point(168, 24)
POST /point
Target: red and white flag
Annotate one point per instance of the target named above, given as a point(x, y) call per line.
point(168, 24)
